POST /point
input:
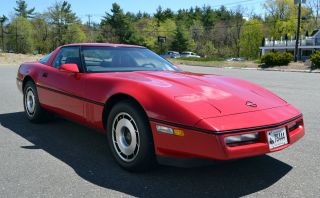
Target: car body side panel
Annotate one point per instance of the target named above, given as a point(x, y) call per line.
point(93, 113)
point(60, 91)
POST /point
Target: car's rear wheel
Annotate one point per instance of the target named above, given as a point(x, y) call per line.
point(130, 137)
point(32, 107)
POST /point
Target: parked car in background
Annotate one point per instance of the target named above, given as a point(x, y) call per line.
point(171, 54)
point(234, 59)
point(190, 55)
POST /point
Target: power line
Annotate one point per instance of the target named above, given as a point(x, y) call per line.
point(89, 26)
point(236, 3)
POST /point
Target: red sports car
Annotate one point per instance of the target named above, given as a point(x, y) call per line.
point(151, 110)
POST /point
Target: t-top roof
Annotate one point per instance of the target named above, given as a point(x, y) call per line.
point(104, 45)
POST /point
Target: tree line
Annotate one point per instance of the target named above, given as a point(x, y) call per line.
point(207, 31)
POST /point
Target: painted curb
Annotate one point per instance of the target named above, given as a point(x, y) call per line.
point(279, 70)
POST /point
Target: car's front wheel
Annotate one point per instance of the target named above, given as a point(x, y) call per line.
point(130, 137)
point(32, 107)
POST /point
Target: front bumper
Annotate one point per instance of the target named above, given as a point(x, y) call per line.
point(199, 144)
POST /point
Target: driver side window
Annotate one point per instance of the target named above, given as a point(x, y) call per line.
point(67, 55)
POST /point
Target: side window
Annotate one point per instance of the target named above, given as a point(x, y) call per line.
point(45, 59)
point(67, 55)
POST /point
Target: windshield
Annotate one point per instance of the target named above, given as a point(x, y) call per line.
point(112, 59)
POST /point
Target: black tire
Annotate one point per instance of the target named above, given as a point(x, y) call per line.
point(38, 114)
point(123, 117)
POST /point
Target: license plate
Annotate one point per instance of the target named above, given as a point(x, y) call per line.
point(277, 137)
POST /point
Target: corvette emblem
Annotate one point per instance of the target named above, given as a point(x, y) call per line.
point(251, 104)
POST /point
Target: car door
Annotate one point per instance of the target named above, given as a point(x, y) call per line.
point(62, 91)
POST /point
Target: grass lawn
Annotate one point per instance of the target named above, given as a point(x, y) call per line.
point(216, 63)
point(17, 59)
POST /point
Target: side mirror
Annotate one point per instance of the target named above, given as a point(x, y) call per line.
point(70, 67)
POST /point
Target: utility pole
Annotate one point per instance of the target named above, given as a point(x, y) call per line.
point(2, 36)
point(317, 15)
point(2, 21)
point(89, 19)
point(16, 36)
point(296, 51)
point(2, 39)
point(89, 27)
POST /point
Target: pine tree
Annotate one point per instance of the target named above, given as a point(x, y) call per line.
point(61, 17)
point(180, 41)
point(159, 15)
point(22, 11)
point(120, 24)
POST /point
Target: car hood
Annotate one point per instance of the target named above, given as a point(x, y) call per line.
point(227, 95)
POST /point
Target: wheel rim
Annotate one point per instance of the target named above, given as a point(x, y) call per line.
point(30, 102)
point(125, 137)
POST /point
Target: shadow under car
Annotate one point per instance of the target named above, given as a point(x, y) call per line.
point(87, 152)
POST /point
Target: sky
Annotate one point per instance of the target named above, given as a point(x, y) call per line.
point(97, 8)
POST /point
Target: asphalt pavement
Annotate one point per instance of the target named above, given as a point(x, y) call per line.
point(64, 159)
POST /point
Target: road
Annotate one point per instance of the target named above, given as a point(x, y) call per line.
point(64, 159)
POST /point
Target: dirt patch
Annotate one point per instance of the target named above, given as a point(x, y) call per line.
point(17, 59)
point(242, 64)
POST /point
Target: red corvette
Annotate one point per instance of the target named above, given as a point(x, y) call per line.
point(150, 109)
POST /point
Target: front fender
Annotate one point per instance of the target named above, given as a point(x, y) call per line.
point(25, 71)
point(161, 106)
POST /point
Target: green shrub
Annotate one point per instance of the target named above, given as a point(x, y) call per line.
point(276, 59)
point(315, 59)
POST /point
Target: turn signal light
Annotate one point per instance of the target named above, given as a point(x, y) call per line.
point(178, 132)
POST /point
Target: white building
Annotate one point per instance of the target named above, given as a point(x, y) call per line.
point(307, 45)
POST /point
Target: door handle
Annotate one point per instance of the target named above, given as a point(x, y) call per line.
point(45, 75)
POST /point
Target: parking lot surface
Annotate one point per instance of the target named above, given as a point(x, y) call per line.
point(64, 159)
